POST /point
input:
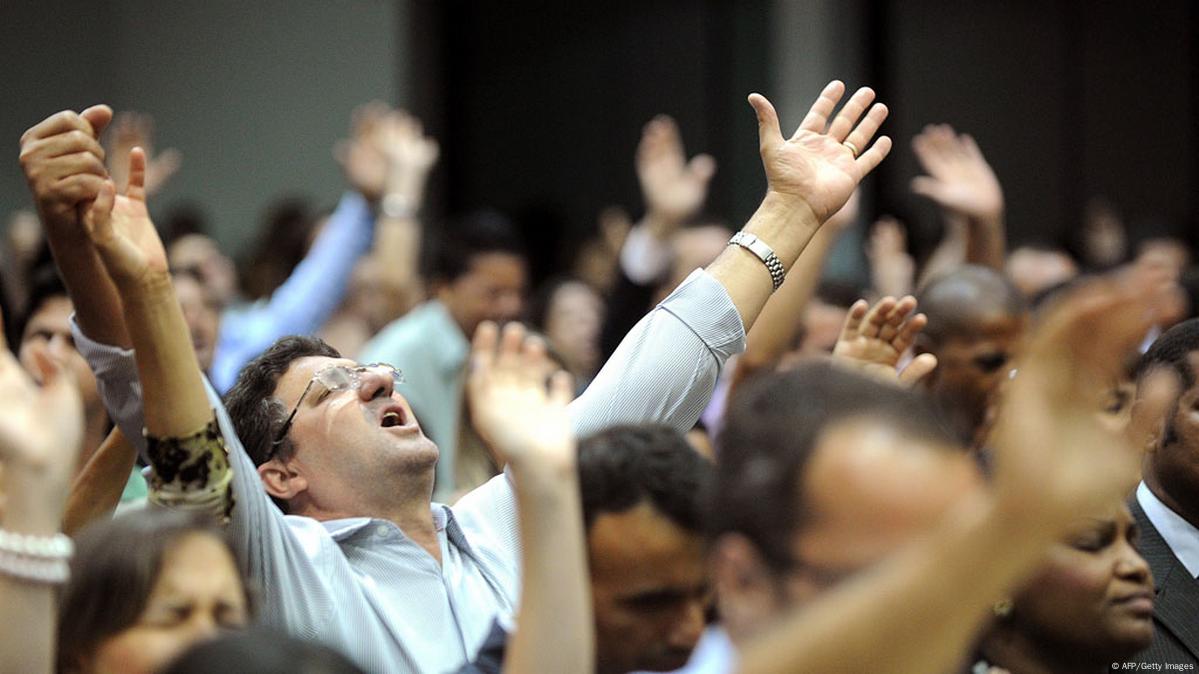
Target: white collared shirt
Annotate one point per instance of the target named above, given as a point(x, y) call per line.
point(1179, 534)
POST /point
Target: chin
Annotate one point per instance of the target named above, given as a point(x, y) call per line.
point(1131, 635)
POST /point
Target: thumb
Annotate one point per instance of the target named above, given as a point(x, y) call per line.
point(927, 186)
point(769, 134)
point(920, 367)
point(98, 116)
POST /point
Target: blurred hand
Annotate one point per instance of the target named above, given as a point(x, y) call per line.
point(41, 429)
point(64, 164)
point(410, 156)
point(513, 410)
point(959, 178)
point(816, 165)
point(1054, 460)
point(130, 130)
point(673, 188)
point(874, 339)
point(122, 232)
point(362, 160)
point(892, 269)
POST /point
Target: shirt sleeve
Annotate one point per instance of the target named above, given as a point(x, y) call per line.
point(305, 300)
point(663, 372)
point(269, 552)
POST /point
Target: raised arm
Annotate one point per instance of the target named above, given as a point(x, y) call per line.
point(40, 433)
point(175, 402)
point(530, 427)
point(963, 184)
point(780, 321)
point(920, 611)
point(64, 167)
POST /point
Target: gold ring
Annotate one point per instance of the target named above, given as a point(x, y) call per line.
point(852, 148)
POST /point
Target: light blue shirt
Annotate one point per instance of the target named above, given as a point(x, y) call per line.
point(305, 300)
point(364, 587)
point(1179, 534)
point(430, 349)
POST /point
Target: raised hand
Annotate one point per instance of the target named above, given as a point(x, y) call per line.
point(673, 188)
point(64, 163)
point(822, 162)
point(130, 130)
point(121, 230)
point(511, 406)
point(41, 428)
point(874, 339)
point(410, 156)
point(364, 164)
point(1054, 460)
point(892, 270)
point(959, 178)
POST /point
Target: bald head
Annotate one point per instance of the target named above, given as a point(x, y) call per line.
point(959, 303)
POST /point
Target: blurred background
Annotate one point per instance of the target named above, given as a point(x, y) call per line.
point(538, 106)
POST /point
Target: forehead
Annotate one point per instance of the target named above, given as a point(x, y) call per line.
point(498, 266)
point(293, 382)
point(869, 488)
point(53, 313)
point(197, 564)
point(640, 549)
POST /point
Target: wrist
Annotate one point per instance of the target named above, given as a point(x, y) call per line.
point(785, 223)
point(660, 225)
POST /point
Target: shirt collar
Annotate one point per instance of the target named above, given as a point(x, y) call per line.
point(1179, 534)
point(443, 521)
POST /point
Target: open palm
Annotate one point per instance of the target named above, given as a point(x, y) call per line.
point(121, 229)
point(822, 162)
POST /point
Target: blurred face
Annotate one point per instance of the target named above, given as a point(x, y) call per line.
point(572, 326)
point(201, 254)
point(373, 298)
point(198, 593)
point(1095, 592)
point(1175, 461)
point(492, 290)
point(870, 490)
point(649, 588)
point(49, 332)
point(356, 448)
point(202, 316)
point(972, 368)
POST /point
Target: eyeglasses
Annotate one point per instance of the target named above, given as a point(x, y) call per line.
point(335, 378)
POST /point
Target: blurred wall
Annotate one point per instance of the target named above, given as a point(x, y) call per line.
point(253, 93)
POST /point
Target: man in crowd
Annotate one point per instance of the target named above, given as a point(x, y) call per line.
point(362, 550)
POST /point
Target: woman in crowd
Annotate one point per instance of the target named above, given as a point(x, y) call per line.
point(1090, 605)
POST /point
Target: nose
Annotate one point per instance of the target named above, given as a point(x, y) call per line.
point(375, 383)
point(202, 626)
point(1132, 566)
point(510, 305)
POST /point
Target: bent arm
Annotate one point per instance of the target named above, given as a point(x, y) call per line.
point(98, 487)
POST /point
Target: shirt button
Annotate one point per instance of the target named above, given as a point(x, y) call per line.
point(381, 530)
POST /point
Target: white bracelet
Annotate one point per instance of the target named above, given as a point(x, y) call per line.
point(45, 571)
point(56, 547)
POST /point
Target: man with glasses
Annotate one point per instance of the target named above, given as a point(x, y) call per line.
point(355, 554)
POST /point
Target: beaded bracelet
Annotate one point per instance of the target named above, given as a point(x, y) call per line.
point(42, 570)
point(54, 547)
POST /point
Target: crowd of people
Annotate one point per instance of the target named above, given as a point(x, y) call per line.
point(373, 447)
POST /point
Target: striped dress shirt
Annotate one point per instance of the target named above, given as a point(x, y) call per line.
point(360, 584)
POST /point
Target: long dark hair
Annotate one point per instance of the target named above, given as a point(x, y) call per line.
point(116, 564)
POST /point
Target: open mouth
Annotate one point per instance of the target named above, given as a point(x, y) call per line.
point(393, 416)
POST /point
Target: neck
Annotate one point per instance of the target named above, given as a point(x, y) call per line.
point(414, 517)
point(1016, 651)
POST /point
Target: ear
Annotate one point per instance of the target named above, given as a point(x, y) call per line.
point(747, 589)
point(281, 480)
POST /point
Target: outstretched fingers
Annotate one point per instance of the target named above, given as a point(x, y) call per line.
point(876, 318)
point(483, 347)
point(851, 112)
point(817, 118)
point(853, 320)
point(861, 135)
point(136, 189)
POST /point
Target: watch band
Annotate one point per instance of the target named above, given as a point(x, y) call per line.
point(764, 253)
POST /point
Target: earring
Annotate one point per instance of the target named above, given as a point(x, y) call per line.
point(1002, 608)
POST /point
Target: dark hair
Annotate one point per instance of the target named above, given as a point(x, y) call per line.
point(476, 234)
point(1171, 350)
point(539, 305)
point(771, 430)
point(624, 466)
point(256, 413)
point(45, 284)
point(282, 244)
point(116, 564)
point(261, 650)
point(953, 301)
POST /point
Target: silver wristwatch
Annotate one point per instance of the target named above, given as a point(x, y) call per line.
point(758, 247)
